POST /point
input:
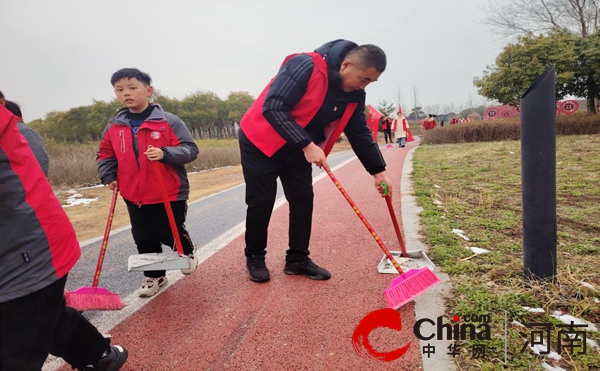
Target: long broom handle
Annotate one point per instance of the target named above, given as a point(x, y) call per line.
point(155, 165)
point(111, 214)
point(365, 222)
point(388, 200)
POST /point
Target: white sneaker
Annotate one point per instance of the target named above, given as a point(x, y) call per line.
point(193, 264)
point(151, 286)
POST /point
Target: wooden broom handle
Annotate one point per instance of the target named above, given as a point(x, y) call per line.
point(366, 223)
point(155, 165)
point(111, 214)
point(388, 200)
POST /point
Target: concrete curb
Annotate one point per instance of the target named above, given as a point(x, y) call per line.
point(430, 304)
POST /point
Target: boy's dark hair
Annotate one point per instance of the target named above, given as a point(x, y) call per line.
point(368, 55)
point(131, 73)
point(13, 108)
point(1, 95)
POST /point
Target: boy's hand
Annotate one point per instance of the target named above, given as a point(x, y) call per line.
point(112, 185)
point(154, 154)
point(382, 177)
point(315, 155)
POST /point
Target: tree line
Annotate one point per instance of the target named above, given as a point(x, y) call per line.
point(564, 33)
point(205, 114)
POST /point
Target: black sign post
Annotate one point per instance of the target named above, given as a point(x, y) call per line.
point(538, 166)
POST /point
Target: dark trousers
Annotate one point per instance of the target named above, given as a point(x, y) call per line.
point(151, 229)
point(261, 173)
point(402, 141)
point(37, 324)
point(387, 134)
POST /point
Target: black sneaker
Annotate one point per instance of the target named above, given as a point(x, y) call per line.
point(110, 362)
point(306, 268)
point(257, 269)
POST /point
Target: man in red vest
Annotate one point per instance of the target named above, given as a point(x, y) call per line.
point(294, 123)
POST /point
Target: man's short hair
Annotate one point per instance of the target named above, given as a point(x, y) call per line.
point(369, 55)
point(131, 73)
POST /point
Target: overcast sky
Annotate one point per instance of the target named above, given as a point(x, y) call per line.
point(60, 54)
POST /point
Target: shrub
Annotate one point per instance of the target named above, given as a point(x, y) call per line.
point(507, 129)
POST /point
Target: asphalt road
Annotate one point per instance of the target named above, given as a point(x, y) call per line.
point(208, 220)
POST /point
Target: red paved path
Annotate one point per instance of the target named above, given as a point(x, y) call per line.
point(216, 319)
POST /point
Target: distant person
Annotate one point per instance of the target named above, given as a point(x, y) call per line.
point(294, 123)
point(38, 251)
point(36, 142)
point(401, 125)
point(453, 121)
point(431, 122)
point(387, 130)
point(137, 135)
point(442, 123)
point(426, 123)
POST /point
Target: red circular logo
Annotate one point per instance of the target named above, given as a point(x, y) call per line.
point(155, 135)
point(569, 106)
point(491, 112)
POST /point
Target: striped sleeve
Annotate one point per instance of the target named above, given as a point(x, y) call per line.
point(285, 92)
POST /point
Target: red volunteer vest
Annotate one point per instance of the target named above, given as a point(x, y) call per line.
point(263, 136)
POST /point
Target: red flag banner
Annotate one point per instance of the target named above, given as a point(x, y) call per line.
point(409, 136)
point(373, 116)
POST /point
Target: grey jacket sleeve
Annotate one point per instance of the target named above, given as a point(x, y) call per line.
point(362, 142)
point(187, 150)
point(36, 142)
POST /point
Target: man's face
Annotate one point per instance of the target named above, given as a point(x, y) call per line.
point(133, 94)
point(354, 78)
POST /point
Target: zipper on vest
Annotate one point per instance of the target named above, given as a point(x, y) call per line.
point(122, 137)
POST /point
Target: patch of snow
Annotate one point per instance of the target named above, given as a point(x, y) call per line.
point(478, 250)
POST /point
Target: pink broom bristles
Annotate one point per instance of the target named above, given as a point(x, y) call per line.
point(93, 298)
point(408, 286)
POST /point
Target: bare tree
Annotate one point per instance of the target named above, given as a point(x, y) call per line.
point(470, 101)
point(517, 17)
point(399, 99)
point(416, 98)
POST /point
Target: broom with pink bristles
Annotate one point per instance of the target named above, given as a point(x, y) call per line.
point(94, 297)
point(408, 285)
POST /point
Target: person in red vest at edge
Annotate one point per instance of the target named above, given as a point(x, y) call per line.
point(401, 123)
point(431, 122)
point(426, 123)
point(294, 123)
point(39, 250)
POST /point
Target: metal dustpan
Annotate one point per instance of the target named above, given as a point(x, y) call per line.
point(416, 259)
point(170, 260)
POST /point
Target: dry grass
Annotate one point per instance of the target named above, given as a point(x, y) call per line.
point(479, 187)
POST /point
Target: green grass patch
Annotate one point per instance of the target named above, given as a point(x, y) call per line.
point(478, 186)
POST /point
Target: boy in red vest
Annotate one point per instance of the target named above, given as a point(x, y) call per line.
point(294, 123)
point(139, 134)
